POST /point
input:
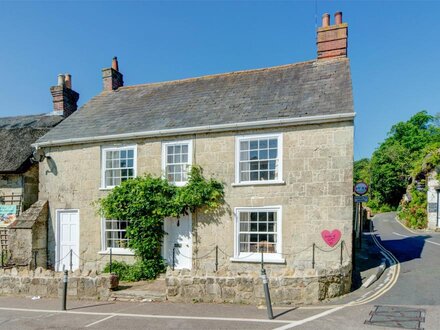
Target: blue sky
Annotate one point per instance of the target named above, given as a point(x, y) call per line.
point(393, 47)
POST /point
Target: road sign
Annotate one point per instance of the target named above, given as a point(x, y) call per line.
point(361, 188)
point(361, 199)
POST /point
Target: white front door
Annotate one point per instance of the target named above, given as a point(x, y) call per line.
point(67, 239)
point(179, 239)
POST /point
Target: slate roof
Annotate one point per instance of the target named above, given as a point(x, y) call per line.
point(318, 87)
point(16, 136)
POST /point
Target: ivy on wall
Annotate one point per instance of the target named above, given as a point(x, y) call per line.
point(145, 202)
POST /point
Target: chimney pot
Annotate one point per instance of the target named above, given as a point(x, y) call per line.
point(115, 65)
point(112, 79)
point(68, 80)
point(332, 39)
point(338, 18)
point(325, 20)
point(61, 80)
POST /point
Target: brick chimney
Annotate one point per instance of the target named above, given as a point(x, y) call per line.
point(64, 98)
point(332, 39)
point(111, 77)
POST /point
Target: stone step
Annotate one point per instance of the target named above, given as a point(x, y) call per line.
point(141, 291)
point(135, 295)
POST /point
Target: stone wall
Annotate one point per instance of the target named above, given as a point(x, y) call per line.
point(301, 287)
point(28, 235)
point(47, 283)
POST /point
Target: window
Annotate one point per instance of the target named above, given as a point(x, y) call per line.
point(258, 158)
point(118, 165)
point(114, 234)
point(176, 159)
point(258, 230)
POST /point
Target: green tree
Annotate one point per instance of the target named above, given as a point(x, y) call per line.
point(393, 162)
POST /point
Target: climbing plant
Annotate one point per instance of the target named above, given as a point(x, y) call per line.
point(146, 201)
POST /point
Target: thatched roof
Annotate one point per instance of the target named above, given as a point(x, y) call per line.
point(16, 136)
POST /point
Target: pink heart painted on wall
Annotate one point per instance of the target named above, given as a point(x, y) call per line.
point(331, 238)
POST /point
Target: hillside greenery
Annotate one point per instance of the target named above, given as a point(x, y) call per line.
point(398, 168)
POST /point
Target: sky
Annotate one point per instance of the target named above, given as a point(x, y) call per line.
point(393, 46)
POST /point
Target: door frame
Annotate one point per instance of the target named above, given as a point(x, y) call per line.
point(165, 242)
point(57, 234)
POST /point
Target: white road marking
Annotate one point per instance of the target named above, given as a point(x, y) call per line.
point(428, 241)
point(99, 321)
point(150, 316)
point(311, 318)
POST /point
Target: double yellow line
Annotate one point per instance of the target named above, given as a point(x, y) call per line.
point(394, 265)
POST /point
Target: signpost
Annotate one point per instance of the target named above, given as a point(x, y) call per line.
point(360, 188)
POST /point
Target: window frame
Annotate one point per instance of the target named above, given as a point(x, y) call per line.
point(105, 249)
point(279, 179)
point(256, 256)
point(104, 151)
point(165, 157)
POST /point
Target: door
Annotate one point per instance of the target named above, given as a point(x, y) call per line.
point(67, 239)
point(179, 239)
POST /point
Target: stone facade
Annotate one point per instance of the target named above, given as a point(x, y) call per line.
point(25, 185)
point(28, 237)
point(316, 195)
point(46, 283)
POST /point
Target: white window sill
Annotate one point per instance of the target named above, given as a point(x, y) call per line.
point(257, 259)
point(258, 183)
point(117, 252)
point(106, 189)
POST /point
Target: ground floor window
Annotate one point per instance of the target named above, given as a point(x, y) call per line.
point(114, 234)
point(258, 230)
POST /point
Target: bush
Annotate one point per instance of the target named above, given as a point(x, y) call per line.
point(140, 270)
point(414, 212)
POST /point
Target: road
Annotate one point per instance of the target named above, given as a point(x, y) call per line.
point(410, 282)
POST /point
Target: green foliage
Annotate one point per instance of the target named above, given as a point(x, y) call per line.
point(393, 163)
point(362, 171)
point(145, 202)
point(140, 270)
point(414, 212)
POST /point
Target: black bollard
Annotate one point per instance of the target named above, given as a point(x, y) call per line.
point(266, 289)
point(65, 279)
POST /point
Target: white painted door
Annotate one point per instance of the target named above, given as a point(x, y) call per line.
point(179, 238)
point(67, 239)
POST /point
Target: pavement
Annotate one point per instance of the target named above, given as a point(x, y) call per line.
point(409, 281)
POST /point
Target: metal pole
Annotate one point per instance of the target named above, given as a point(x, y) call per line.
point(360, 225)
point(65, 279)
point(111, 260)
point(342, 246)
point(313, 256)
point(216, 258)
point(174, 256)
point(3, 256)
point(71, 260)
point(266, 289)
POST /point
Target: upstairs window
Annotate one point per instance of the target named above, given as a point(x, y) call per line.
point(118, 165)
point(176, 160)
point(258, 158)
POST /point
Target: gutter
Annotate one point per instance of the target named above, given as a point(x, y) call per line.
point(203, 129)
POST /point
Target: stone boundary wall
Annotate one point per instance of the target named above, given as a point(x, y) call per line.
point(306, 287)
point(49, 284)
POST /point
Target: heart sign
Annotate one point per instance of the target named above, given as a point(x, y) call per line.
point(331, 238)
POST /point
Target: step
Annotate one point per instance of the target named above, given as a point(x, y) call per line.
point(141, 291)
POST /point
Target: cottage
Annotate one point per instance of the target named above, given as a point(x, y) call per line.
point(281, 140)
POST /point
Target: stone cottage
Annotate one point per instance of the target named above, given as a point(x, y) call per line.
point(281, 140)
point(19, 167)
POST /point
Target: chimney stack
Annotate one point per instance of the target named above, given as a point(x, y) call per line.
point(111, 77)
point(332, 39)
point(64, 98)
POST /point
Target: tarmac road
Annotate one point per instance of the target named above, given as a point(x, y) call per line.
point(412, 282)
